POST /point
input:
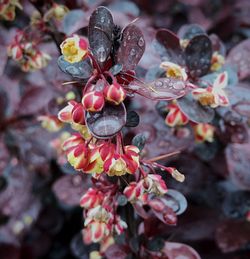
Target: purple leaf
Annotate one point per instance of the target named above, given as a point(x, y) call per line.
point(132, 47)
point(100, 33)
point(69, 189)
point(171, 43)
point(198, 54)
point(175, 200)
point(160, 89)
point(108, 122)
point(177, 250)
point(73, 21)
point(82, 69)
point(233, 235)
point(194, 111)
point(3, 58)
point(240, 55)
point(187, 32)
point(238, 163)
point(34, 100)
point(115, 251)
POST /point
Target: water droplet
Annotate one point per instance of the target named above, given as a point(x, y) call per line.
point(125, 44)
point(141, 42)
point(129, 37)
point(101, 54)
point(179, 86)
point(158, 83)
point(102, 19)
point(132, 52)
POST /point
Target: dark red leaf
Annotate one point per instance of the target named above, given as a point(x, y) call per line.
point(34, 100)
point(132, 47)
point(3, 58)
point(115, 251)
point(69, 189)
point(160, 89)
point(240, 56)
point(187, 32)
point(194, 111)
point(108, 122)
point(233, 235)
point(171, 43)
point(82, 69)
point(198, 54)
point(100, 33)
point(238, 162)
point(178, 250)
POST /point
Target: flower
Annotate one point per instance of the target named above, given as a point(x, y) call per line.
point(204, 132)
point(114, 93)
point(174, 71)
point(153, 183)
point(50, 123)
point(98, 223)
point(91, 198)
point(93, 101)
point(175, 116)
point(57, 12)
point(77, 152)
point(74, 49)
point(134, 192)
point(119, 225)
point(215, 95)
point(217, 61)
point(8, 9)
point(120, 164)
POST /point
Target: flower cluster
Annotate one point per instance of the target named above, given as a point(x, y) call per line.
point(101, 219)
point(8, 9)
point(26, 53)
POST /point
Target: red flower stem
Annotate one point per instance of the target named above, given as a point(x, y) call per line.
point(95, 64)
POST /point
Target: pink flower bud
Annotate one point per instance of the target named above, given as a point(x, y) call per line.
point(78, 114)
point(93, 101)
point(91, 198)
point(114, 93)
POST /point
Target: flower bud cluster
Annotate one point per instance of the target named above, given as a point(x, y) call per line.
point(8, 9)
point(26, 53)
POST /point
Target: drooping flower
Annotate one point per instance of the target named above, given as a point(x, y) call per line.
point(215, 95)
point(74, 49)
point(77, 152)
point(93, 101)
point(119, 225)
point(98, 223)
point(8, 9)
point(114, 93)
point(175, 116)
point(134, 192)
point(204, 132)
point(91, 198)
point(153, 183)
point(217, 61)
point(174, 71)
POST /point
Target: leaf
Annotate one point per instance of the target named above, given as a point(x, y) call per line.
point(82, 69)
point(175, 200)
point(73, 21)
point(3, 104)
point(69, 189)
point(139, 141)
point(187, 32)
point(34, 100)
point(233, 235)
point(240, 56)
point(108, 122)
point(155, 244)
point(177, 250)
point(3, 58)
point(160, 89)
point(238, 163)
point(131, 48)
point(171, 43)
point(116, 69)
point(133, 119)
point(100, 33)
point(194, 111)
point(198, 54)
point(115, 251)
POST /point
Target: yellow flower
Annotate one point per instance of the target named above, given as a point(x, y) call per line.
point(204, 132)
point(74, 49)
point(217, 61)
point(174, 71)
